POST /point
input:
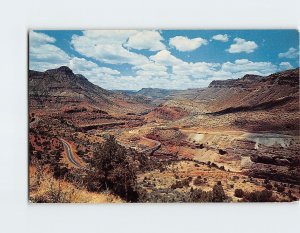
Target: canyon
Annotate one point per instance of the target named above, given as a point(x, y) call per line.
point(241, 133)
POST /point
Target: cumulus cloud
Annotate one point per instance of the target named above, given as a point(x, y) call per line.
point(285, 66)
point(113, 46)
point(39, 38)
point(195, 70)
point(165, 57)
point(220, 37)
point(243, 66)
point(91, 70)
point(241, 45)
point(137, 82)
point(107, 46)
point(151, 69)
point(43, 54)
point(291, 53)
point(184, 44)
point(150, 40)
point(161, 70)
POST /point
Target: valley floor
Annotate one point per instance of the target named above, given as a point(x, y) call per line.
point(187, 158)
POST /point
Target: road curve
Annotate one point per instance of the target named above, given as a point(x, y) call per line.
point(153, 149)
point(70, 155)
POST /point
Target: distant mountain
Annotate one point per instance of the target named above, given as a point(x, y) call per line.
point(253, 90)
point(61, 88)
point(250, 90)
point(126, 92)
point(250, 80)
point(155, 92)
point(252, 102)
point(245, 81)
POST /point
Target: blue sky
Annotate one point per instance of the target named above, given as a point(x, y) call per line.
point(171, 59)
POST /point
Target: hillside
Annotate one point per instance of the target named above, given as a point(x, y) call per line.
point(251, 103)
point(60, 88)
point(242, 133)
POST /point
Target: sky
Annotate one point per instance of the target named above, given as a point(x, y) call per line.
point(169, 59)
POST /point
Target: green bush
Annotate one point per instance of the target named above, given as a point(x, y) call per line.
point(259, 196)
point(238, 193)
point(218, 193)
point(112, 168)
point(198, 181)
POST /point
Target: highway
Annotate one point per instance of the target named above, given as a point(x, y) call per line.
point(70, 155)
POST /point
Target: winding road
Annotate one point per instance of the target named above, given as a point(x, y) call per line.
point(72, 160)
point(70, 155)
point(153, 149)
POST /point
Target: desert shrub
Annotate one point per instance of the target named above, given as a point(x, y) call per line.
point(112, 168)
point(238, 193)
point(218, 193)
point(222, 152)
point(266, 181)
point(280, 189)
point(259, 196)
point(214, 165)
point(198, 195)
point(201, 146)
point(198, 181)
point(192, 195)
point(59, 171)
point(222, 168)
point(80, 152)
point(181, 183)
point(159, 196)
point(269, 186)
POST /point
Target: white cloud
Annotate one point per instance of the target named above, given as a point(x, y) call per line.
point(91, 70)
point(43, 54)
point(291, 53)
point(195, 70)
point(151, 69)
point(82, 65)
point(107, 46)
point(137, 82)
point(285, 66)
point(184, 44)
point(166, 58)
point(243, 66)
point(48, 53)
point(150, 40)
point(242, 45)
point(220, 37)
point(162, 70)
point(112, 46)
point(39, 38)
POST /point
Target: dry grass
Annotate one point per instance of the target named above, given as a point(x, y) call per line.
point(44, 188)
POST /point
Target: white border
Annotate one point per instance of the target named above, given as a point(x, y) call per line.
point(16, 215)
